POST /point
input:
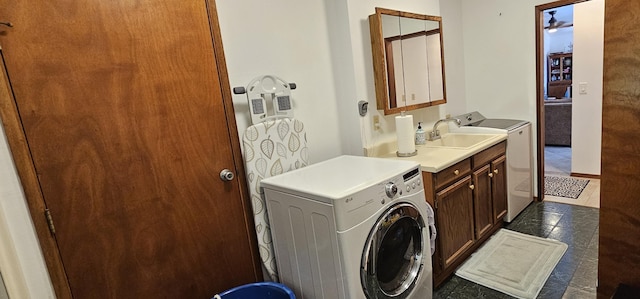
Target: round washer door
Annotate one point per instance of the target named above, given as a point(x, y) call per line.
point(392, 258)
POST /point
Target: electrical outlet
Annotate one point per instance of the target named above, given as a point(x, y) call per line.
point(376, 122)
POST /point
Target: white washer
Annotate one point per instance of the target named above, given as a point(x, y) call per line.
point(519, 158)
point(352, 227)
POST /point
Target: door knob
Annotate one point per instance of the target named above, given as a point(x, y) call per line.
point(226, 175)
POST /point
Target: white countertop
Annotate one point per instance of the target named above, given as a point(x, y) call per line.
point(435, 159)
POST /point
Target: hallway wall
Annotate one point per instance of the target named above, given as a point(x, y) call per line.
point(586, 123)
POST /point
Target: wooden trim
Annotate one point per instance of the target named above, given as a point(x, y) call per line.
point(585, 175)
point(29, 180)
point(412, 35)
point(393, 12)
point(233, 135)
point(377, 55)
point(391, 74)
point(444, 77)
point(540, 65)
point(540, 100)
point(558, 3)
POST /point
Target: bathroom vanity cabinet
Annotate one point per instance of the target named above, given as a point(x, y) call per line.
point(469, 200)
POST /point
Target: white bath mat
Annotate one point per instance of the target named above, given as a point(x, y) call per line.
point(513, 263)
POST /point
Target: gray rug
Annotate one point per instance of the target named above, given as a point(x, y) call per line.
point(513, 263)
point(564, 186)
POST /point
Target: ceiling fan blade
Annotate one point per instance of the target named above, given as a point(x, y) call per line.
point(559, 23)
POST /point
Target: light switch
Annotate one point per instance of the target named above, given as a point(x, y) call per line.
point(582, 87)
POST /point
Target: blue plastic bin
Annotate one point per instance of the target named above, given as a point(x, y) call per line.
point(258, 290)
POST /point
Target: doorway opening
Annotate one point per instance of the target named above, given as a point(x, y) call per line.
point(558, 106)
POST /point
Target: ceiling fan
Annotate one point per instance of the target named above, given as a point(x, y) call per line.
point(555, 24)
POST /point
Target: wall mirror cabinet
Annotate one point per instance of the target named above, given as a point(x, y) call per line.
point(408, 60)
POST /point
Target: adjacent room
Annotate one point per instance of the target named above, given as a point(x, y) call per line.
point(572, 179)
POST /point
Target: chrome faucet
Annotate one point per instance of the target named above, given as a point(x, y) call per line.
point(435, 133)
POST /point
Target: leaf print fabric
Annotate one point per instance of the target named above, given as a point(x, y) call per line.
point(271, 148)
point(267, 147)
point(283, 129)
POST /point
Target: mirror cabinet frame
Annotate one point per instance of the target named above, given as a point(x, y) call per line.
point(383, 70)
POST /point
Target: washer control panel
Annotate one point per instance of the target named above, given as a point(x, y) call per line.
point(361, 205)
point(391, 189)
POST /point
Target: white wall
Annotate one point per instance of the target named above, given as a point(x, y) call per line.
point(560, 41)
point(454, 60)
point(289, 39)
point(586, 126)
point(308, 44)
point(500, 60)
point(21, 261)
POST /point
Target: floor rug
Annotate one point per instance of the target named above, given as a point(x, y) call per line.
point(513, 263)
point(564, 186)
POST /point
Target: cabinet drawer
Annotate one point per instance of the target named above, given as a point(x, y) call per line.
point(484, 157)
point(452, 173)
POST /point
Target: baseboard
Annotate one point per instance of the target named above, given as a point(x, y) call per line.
point(585, 175)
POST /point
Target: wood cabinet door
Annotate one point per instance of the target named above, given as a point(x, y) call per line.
point(454, 216)
point(120, 107)
point(499, 188)
point(482, 201)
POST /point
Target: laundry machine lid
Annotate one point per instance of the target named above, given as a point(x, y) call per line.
point(507, 124)
point(476, 119)
point(338, 177)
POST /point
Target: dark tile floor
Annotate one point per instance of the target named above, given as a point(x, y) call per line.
point(575, 275)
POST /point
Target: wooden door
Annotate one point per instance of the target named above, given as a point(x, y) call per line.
point(619, 230)
point(454, 216)
point(499, 188)
point(482, 201)
point(119, 128)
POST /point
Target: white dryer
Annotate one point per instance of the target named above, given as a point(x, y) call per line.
point(352, 227)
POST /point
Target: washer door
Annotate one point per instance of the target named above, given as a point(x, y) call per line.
point(392, 257)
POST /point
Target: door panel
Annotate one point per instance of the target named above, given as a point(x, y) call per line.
point(482, 201)
point(499, 188)
point(455, 220)
point(122, 109)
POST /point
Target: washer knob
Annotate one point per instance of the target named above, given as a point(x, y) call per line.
point(391, 189)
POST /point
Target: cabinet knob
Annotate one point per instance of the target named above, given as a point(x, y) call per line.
point(456, 172)
point(490, 174)
point(495, 171)
point(472, 187)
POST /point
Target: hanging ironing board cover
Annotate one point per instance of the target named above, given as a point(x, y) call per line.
point(271, 148)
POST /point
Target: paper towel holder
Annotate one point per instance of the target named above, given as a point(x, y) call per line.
point(399, 154)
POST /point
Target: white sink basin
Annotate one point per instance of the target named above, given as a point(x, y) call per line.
point(459, 140)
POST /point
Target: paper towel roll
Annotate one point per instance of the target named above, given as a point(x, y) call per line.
point(404, 133)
